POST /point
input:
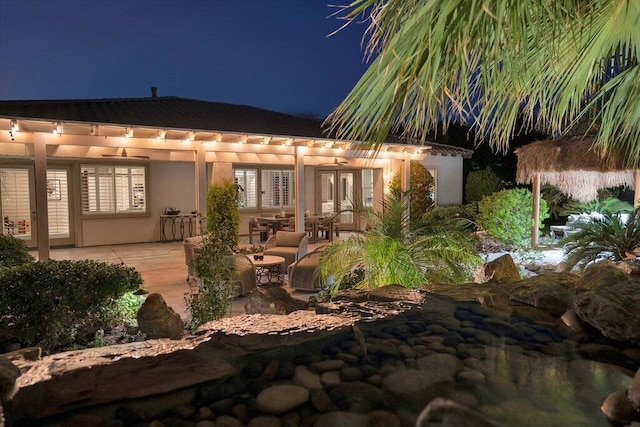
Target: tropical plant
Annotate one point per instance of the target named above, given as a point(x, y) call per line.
point(223, 216)
point(391, 253)
point(13, 252)
point(500, 65)
point(481, 183)
point(605, 206)
point(605, 238)
point(421, 187)
point(555, 200)
point(507, 216)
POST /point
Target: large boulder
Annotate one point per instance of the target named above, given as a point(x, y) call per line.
point(611, 306)
point(157, 320)
point(502, 269)
point(601, 273)
point(552, 292)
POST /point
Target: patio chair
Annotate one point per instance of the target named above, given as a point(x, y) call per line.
point(305, 273)
point(257, 227)
point(245, 274)
point(290, 225)
point(311, 227)
point(287, 244)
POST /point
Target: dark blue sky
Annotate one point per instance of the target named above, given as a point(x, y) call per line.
point(272, 54)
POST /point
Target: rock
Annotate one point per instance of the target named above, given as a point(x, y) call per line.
point(552, 292)
point(395, 293)
point(618, 408)
point(447, 413)
point(501, 328)
point(384, 419)
point(279, 399)
point(321, 400)
point(327, 365)
point(571, 322)
point(305, 378)
point(357, 397)
point(612, 308)
point(447, 364)
point(157, 320)
point(341, 418)
point(8, 375)
point(414, 388)
point(330, 378)
point(600, 273)
point(272, 300)
point(265, 421)
point(501, 269)
point(633, 393)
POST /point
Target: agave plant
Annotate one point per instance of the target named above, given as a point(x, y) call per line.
point(395, 252)
point(608, 238)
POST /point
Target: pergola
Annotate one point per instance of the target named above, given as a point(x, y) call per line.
point(575, 166)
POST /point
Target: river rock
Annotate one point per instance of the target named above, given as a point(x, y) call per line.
point(633, 393)
point(447, 413)
point(448, 365)
point(414, 388)
point(357, 397)
point(303, 377)
point(281, 398)
point(612, 308)
point(8, 375)
point(618, 408)
point(342, 418)
point(157, 320)
point(599, 274)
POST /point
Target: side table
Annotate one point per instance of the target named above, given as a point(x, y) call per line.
point(269, 269)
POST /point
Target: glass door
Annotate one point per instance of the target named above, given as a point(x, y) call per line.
point(337, 195)
point(17, 205)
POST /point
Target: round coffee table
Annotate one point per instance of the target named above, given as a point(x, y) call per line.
point(269, 269)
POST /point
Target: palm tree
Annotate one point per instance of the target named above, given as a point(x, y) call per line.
point(391, 253)
point(494, 64)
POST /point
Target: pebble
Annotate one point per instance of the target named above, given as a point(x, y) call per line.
point(279, 399)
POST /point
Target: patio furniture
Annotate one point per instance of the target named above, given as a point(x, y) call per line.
point(326, 225)
point(269, 269)
point(245, 272)
point(305, 273)
point(258, 227)
point(290, 225)
point(311, 227)
point(288, 244)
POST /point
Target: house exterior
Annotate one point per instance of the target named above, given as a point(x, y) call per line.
point(96, 172)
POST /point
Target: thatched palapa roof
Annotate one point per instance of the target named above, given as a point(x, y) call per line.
point(574, 165)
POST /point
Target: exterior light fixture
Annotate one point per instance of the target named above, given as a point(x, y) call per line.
point(14, 126)
point(57, 128)
point(129, 133)
point(162, 134)
point(217, 137)
point(289, 142)
point(328, 144)
point(191, 136)
point(266, 140)
point(243, 139)
point(92, 130)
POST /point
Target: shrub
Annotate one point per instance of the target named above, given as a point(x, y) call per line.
point(481, 183)
point(507, 216)
point(215, 272)
point(13, 252)
point(421, 187)
point(604, 206)
point(607, 238)
point(467, 213)
point(45, 303)
point(223, 216)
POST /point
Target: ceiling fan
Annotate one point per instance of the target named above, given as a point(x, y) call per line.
point(124, 155)
point(336, 162)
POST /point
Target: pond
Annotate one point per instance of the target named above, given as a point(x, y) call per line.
point(504, 368)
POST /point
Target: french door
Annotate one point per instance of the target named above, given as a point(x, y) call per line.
point(17, 205)
point(337, 190)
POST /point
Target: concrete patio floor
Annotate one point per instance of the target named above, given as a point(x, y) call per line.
point(162, 266)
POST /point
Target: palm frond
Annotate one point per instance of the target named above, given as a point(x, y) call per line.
point(492, 63)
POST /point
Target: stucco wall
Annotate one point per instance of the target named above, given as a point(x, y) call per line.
point(449, 178)
point(170, 184)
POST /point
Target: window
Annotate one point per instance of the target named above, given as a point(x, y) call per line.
point(113, 189)
point(275, 187)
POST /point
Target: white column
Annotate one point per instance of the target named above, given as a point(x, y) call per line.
point(201, 182)
point(41, 208)
point(298, 172)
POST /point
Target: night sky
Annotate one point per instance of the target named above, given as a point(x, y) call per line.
point(272, 54)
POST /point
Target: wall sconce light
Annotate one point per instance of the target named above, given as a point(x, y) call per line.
point(14, 126)
point(162, 134)
point(129, 133)
point(57, 128)
point(328, 144)
point(217, 137)
point(266, 140)
point(191, 136)
point(289, 142)
point(243, 139)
